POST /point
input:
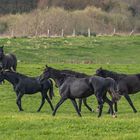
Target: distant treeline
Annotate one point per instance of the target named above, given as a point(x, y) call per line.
point(19, 6)
point(37, 17)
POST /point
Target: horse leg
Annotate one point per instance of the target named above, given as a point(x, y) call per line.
point(100, 103)
point(85, 103)
point(80, 104)
point(116, 107)
point(50, 103)
point(42, 102)
point(110, 103)
point(58, 105)
point(130, 102)
point(109, 111)
point(75, 106)
point(18, 101)
point(14, 67)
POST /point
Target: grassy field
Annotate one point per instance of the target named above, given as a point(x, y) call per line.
point(120, 54)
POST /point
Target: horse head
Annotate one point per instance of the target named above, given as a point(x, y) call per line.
point(100, 72)
point(45, 74)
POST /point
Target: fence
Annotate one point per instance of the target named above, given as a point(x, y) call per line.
point(87, 33)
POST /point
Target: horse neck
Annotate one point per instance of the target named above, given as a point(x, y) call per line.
point(11, 77)
point(57, 77)
point(3, 56)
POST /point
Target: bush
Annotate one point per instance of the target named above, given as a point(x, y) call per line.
point(3, 27)
point(55, 19)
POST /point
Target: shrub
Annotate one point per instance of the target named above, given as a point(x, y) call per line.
point(3, 27)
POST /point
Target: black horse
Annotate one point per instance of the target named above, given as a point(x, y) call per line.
point(28, 85)
point(78, 75)
point(72, 88)
point(127, 84)
point(8, 61)
point(84, 100)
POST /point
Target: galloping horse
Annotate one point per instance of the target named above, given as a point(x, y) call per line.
point(127, 84)
point(78, 75)
point(82, 75)
point(23, 84)
point(72, 88)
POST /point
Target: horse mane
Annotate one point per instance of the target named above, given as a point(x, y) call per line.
point(114, 75)
point(74, 73)
point(60, 74)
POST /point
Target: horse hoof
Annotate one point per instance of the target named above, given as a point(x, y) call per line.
point(97, 110)
point(135, 111)
point(114, 116)
point(92, 110)
point(53, 114)
point(80, 115)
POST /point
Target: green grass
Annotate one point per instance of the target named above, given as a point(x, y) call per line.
point(119, 54)
point(105, 50)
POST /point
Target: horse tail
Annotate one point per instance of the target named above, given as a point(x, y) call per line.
point(113, 89)
point(51, 92)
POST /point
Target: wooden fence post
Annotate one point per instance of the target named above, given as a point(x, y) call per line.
point(73, 34)
point(48, 33)
point(88, 32)
point(131, 33)
point(62, 33)
point(114, 32)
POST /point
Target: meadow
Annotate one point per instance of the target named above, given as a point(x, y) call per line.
point(120, 54)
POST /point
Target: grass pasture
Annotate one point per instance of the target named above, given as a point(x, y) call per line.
point(119, 54)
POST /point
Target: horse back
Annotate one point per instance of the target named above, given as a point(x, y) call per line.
point(76, 88)
point(29, 85)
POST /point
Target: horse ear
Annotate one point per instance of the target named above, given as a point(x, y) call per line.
point(2, 46)
point(100, 68)
point(47, 66)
